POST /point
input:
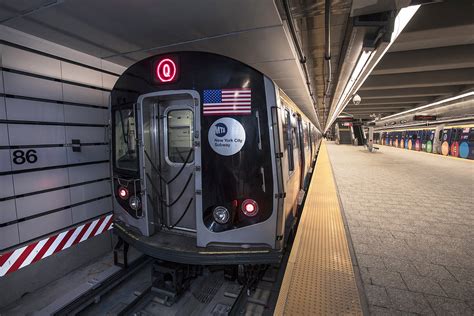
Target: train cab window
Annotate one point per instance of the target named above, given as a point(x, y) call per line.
point(471, 135)
point(179, 136)
point(125, 140)
point(307, 137)
point(295, 136)
point(457, 134)
point(291, 140)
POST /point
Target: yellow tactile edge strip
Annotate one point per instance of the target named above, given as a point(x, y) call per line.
point(319, 278)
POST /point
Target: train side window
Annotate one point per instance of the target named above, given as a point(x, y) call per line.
point(125, 143)
point(471, 136)
point(179, 136)
point(295, 136)
point(285, 131)
point(458, 134)
point(290, 140)
point(307, 139)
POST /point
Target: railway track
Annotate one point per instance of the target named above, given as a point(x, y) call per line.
point(211, 291)
point(131, 291)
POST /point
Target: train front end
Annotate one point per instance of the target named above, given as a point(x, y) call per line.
point(193, 173)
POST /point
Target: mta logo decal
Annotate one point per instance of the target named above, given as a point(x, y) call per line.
point(221, 129)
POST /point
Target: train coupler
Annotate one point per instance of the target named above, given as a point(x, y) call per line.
point(117, 249)
point(171, 279)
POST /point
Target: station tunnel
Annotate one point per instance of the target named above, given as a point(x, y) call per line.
point(271, 157)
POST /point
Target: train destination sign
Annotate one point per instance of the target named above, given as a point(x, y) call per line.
point(166, 70)
point(424, 118)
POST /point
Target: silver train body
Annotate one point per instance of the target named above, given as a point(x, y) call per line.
point(210, 159)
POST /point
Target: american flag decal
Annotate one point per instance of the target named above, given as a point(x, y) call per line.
point(227, 102)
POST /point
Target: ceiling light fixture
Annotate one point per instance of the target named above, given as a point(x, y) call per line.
point(367, 61)
point(464, 95)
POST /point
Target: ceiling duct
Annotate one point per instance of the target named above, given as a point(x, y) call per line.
point(371, 37)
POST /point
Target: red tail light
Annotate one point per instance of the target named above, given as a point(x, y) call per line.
point(249, 207)
point(123, 193)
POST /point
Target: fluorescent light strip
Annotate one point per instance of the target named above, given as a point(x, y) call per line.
point(401, 20)
point(458, 120)
point(361, 62)
point(464, 95)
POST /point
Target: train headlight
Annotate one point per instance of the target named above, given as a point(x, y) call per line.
point(250, 207)
point(123, 193)
point(134, 203)
point(221, 215)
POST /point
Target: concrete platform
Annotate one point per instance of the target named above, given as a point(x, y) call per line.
point(319, 277)
point(411, 219)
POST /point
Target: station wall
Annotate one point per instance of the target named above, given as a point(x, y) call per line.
point(54, 142)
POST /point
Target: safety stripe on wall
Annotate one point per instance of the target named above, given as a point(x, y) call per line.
point(22, 257)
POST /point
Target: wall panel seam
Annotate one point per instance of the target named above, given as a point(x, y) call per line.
point(14, 96)
point(24, 219)
point(33, 75)
point(51, 123)
point(52, 189)
point(31, 50)
point(53, 167)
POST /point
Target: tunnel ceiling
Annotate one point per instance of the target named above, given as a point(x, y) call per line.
point(309, 16)
point(124, 32)
point(432, 59)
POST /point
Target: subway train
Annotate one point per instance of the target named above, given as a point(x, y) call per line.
point(210, 160)
point(454, 140)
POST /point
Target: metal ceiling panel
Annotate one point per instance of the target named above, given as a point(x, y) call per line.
point(123, 32)
point(10, 9)
point(431, 60)
point(107, 27)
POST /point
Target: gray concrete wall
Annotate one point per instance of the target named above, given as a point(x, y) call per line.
point(50, 97)
point(24, 281)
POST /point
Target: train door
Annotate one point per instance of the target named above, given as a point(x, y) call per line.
point(410, 140)
point(464, 143)
point(438, 139)
point(302, 149)
point(418, 135)
point(167, 136)
point(406, 139)
point(416, 140)
point(466, 146)
point(423, 134)
point(446, 138)
point(454, 145)
point(429, 141)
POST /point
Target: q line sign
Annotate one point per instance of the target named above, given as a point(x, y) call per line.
point(166, 69)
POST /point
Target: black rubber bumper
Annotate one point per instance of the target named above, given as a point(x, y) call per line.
point(182, 249)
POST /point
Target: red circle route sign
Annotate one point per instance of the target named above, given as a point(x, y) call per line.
point(166, 70)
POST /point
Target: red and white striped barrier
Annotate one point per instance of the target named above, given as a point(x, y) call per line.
point(21, 257)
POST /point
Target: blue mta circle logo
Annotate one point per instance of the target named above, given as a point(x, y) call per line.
point(221, 129)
